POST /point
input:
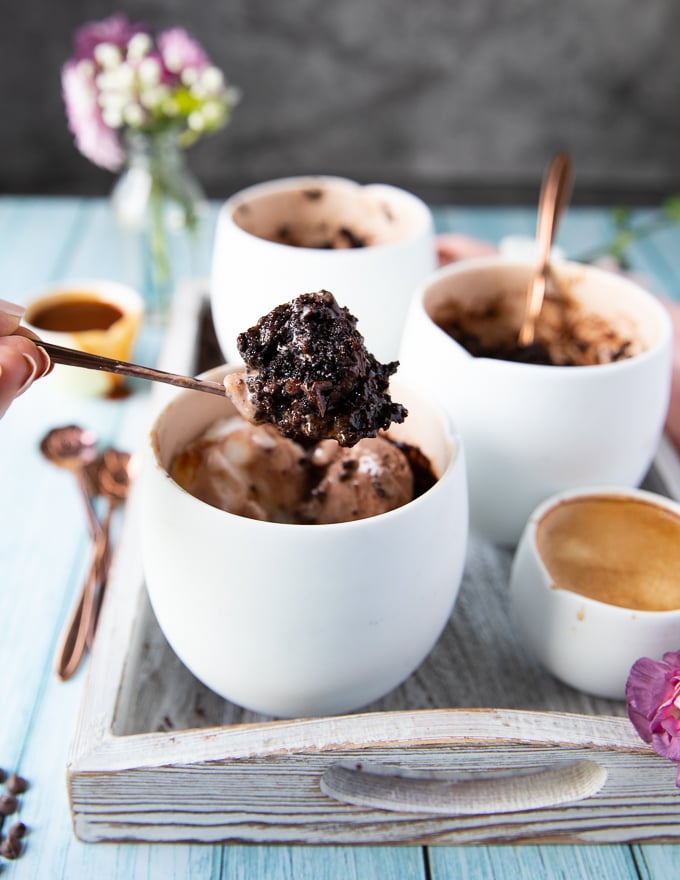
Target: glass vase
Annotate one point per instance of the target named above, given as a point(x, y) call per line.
point(159, 203)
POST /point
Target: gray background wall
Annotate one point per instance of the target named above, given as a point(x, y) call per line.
point(458, 99)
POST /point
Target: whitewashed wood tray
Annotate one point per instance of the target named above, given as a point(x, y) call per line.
point(479, 745)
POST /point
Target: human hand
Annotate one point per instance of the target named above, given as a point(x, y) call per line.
point(21, 360)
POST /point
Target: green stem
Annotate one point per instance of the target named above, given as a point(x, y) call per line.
point(159, 239)
point(624, 238)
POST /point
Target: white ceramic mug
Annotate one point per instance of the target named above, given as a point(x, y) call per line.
point(298, 620)
point(587, 643)
point(529, 430)
point(92, 315)
point(256, 267)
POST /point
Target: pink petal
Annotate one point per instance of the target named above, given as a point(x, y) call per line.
point(177, 42)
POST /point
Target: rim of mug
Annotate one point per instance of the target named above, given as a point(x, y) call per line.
point(425, 225)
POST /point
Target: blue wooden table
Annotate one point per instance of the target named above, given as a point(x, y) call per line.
point(44, 553)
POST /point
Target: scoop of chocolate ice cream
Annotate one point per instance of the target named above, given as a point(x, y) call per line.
point(245, 469)
point(309, 373)
point(372, 477)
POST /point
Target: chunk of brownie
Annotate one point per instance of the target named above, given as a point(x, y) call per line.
point(309, 373)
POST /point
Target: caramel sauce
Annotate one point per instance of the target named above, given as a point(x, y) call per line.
point(620, 551)
point(77, 316)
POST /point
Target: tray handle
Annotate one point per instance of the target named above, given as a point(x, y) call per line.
point(385, 789)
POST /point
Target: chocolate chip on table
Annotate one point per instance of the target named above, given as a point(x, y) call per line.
point(10, 845)
point(10, 848)
point(8, 804)
point(16, 784)
point(17, 830)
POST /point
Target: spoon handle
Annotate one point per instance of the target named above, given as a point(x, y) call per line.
point(73, 358)
point(553, 199)
point(74, 641)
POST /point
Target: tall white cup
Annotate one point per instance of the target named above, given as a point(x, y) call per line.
point(277, 240)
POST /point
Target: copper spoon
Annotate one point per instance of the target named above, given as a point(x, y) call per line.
point(553, 199)
point(73, 358)
point(110, 477)
point(74, 448)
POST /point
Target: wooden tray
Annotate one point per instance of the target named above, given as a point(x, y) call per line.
point(478, 745)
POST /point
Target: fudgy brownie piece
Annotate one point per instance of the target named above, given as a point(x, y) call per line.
point(309, 373)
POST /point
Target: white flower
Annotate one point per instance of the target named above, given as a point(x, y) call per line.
point(153, 97)
point(196, 121)
point(189, 76)
point(149, 72)
point(112, 116)
point(138, 47)
point(107, 55)
point(213, 112)
point(212, 80)
point(134, 116)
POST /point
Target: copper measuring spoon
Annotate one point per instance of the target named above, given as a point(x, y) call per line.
point(553, 199)
point(73, 358)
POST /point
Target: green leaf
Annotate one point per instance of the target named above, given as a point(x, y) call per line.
point(671, 209)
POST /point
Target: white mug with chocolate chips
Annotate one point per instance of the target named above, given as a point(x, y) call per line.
point(370, 245)
point(584, 405)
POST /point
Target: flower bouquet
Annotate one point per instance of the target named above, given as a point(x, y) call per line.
point(135, 101)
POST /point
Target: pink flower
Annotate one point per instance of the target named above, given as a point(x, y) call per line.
point(180, 51)
point(93, 137)
point(117, 30)
point(653, 696)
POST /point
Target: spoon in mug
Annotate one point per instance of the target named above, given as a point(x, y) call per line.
point(555, 193)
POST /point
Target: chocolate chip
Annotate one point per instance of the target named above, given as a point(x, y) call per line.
point(17, 831)
point(16, 784)
point(8, 804)
point(10, 848)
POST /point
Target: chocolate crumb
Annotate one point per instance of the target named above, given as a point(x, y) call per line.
point(354, 240)
point(312, 194)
